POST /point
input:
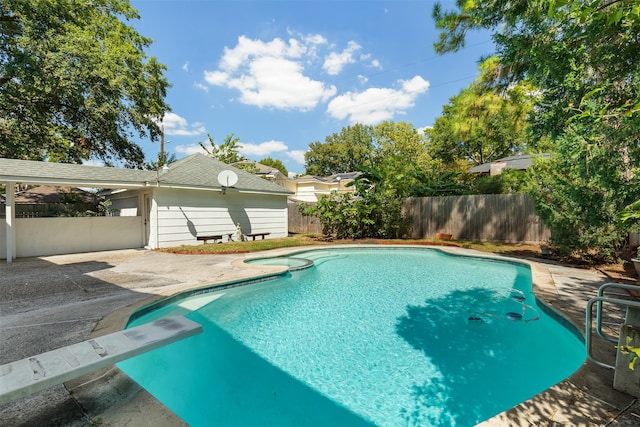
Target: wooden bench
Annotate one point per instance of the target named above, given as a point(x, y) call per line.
point(213, 237)
point(254, 235)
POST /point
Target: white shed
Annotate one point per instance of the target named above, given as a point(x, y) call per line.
point(153, 209)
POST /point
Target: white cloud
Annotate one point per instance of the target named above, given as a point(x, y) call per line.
point(177, 125)
point(377, 104)
point(314, 39)
point(189, 149)
point(296, 155)
point(258, 151)
point(200, 86)
point(185, 66)
point(271, 149)
point(271, 74)
point(263, 149)
point(334, 62)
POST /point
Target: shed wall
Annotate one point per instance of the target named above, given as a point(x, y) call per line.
point(182, 215)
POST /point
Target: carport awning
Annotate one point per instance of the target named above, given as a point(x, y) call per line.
point(30, 172)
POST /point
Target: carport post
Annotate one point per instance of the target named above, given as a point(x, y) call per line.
point(10, 219)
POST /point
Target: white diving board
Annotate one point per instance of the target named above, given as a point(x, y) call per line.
point(26, 376)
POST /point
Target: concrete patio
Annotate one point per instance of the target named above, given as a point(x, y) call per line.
point(54, 301)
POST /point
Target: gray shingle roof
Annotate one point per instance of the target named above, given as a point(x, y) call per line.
point(63, 173)
point(520, 162)
point(198, 170)
point(194, 171)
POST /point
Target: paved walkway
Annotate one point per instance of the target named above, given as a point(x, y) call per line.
point(54, 301)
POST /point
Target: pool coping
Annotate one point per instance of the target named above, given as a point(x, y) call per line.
point(573, 401)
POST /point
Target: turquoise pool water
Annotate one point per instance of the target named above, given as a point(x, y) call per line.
point(386, 337)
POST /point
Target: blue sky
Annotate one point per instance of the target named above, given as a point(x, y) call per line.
point(283, 74)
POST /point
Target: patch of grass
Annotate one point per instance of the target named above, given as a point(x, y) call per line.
point(248, 246)
point(515, 249)
point(310, 239)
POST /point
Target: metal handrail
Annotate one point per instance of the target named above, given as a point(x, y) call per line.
point(600, 299)
point(599, 307)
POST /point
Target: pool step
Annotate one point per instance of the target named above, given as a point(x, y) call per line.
point(32, 374)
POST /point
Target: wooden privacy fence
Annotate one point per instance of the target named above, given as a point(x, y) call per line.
point(490, 217)
point(302, 224)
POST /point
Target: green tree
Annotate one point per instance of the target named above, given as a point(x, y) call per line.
point(510, 181)
point(163, 159)
point(585, 60)
point(341, 152)
point(227, 152)
point(75, 81)
point(402, 141)
point(276, 164)
point(482, 123)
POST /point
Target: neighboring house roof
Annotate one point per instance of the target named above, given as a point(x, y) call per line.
point(328, 179)
point(194, 171)
point(342, 176)
point(55, 194)
point(520, 162)
point(262, 169)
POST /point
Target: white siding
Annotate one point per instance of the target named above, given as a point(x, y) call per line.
point(124, 205)
point(184, 214)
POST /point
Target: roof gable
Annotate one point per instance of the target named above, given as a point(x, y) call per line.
point(202, 171)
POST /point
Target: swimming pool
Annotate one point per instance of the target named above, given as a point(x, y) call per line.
point(364, 336)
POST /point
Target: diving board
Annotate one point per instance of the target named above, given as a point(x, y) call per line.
point(32, 374)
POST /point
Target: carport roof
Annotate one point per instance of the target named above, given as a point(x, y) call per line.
point(196, 171)
point(28, 171)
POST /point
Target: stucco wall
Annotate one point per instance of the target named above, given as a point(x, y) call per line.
point(184, 214)
point(51, 236)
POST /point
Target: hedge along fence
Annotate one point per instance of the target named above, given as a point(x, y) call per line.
point(491, 217)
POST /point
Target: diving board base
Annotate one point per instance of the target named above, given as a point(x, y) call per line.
point(32, 374)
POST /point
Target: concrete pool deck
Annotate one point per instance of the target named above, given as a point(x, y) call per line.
point(50, 302)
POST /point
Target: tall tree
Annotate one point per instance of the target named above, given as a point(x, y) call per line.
point(75, 81)
point(227, 152)
point(402, 141)
point(482, 123)
point(341, 152)
point(276, 164)
point(162, 159)
point(585, 59)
